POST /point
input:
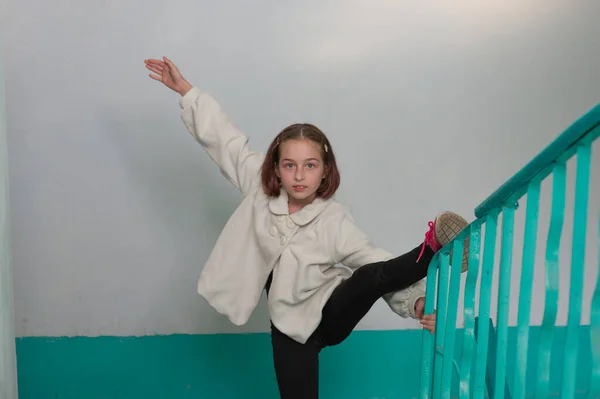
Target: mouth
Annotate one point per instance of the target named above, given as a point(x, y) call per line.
point(299, 187)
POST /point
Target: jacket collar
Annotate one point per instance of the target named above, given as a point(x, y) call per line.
point(279, 206)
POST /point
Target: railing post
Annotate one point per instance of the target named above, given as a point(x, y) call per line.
point(526, 287)
point(595, 331)
point(552, 279)
point(582, 182)
point(450, 333)
point(427, 351)
point(506, 254)
point(485, 293)
point(440, 324)
point(468, 345)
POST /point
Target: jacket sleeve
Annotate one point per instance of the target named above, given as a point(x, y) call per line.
point(353, 249)
point(403, 302)
point(224, 143)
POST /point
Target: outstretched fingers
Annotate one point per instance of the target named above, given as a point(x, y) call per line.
point(152, 61)
point(167, 73)
point(169, 63)
point(156, 69)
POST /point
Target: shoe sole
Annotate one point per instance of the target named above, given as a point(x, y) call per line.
point(447, 226)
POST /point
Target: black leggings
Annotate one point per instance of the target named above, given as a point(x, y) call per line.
point(297, 365)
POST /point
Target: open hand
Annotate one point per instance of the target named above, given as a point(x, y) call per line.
point(167, 73)
point(427, 321)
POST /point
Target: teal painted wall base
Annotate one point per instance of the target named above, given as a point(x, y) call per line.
point(369, 365)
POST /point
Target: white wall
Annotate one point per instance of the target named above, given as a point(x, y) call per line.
point(116, 208)
point(8, 366)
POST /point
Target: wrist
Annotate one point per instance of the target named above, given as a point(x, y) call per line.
point(185, 87)
point(417, 301)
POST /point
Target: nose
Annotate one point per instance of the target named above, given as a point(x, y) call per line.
point(299, 175)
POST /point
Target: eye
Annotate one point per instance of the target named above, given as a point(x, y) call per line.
point(311, 165)
point(288, 165)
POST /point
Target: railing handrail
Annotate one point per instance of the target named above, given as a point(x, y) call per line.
point(516, 185)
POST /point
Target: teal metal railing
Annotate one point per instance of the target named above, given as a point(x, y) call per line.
point(482, 367)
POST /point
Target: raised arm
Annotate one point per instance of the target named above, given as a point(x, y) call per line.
point(211, 127)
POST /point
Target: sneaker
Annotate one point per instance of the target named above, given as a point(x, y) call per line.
point(445, 227)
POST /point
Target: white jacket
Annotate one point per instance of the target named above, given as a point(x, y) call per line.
point(310, 252)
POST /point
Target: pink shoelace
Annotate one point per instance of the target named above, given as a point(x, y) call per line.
point(429, 239)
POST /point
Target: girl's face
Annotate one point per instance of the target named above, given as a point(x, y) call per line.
point(300, 169)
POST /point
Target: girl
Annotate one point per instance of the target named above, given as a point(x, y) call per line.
point(287, 237)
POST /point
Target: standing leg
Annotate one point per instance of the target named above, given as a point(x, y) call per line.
point(296, 366)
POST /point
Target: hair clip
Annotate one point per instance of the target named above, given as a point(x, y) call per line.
point(326, 148)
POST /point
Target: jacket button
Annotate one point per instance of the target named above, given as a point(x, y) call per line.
point(273, 231)
point(290, 224)
point(280, 218)
point(282, 240)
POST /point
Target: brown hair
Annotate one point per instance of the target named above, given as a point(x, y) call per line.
point(270, 181)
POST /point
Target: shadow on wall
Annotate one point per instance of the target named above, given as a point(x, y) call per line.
point(148, 149)
point(186, 194)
